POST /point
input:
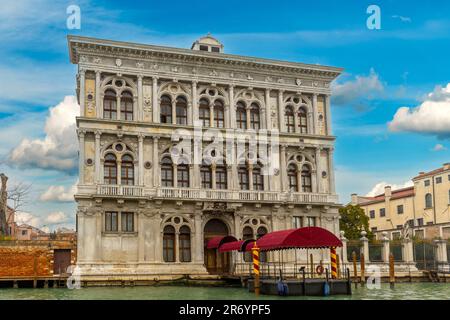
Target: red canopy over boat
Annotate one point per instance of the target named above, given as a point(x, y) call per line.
point(216, 242)
point(307, 237)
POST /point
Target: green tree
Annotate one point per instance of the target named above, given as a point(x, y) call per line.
point(353, 221)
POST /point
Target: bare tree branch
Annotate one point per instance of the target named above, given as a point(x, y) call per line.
point(18, 194)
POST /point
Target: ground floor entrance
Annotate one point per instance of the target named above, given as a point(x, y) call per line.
point(216, 262)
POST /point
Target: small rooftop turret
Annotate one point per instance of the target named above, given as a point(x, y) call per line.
point(208, 43)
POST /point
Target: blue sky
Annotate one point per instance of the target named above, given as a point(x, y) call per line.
point(404, 64)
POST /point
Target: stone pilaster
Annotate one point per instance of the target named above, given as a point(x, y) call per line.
point(155, 105)
point(98, 135)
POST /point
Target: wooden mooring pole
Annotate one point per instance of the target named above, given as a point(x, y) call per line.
point(312, 265)
point(363, 268)
point(355, 269)
point(391, 271)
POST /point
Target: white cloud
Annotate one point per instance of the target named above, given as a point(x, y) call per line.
point(27, 218)
point(439, 147)
point(432, 116)
point(58, 149)
point(59, 193)
point(56, 218)
point(356, 92)
point(379, 187)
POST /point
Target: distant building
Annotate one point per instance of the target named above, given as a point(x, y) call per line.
point(422, 210)
point(27, 232)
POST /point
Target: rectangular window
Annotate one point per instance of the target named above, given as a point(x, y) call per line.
point(411, 223)
point(382, 212)
point(395, 235)
point(127, 221)
point(205, 174)
point(221, 178)
point(243, 178)
point(427, 183)
point(399, 226)
point(372, 214)
point(111, 221)
point(400, 209)
point(204, 116)
point(183, 176)
point(420, 222)
point(311, 221)
point(297, 222)
point(374, 229)
point(438, 179)
point(419, 234)
point(204, 48)
point(215, 49)
point(24, 232)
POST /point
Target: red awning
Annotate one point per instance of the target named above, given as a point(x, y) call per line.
point(308, 237)
point(216, 242)
point(235, 245)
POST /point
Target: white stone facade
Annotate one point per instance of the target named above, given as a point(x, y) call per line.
point(126, 91)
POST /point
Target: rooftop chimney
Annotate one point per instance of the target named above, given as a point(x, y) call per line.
point(387, 192)
point(447, 166)
point(354, 199)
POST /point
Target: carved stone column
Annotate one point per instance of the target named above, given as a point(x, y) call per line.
point(81, 134)
point(232, 108)
point(283, 173)
point(82, 79)
point(328, 114)
point(331, 170)
point(155, 162)
point(281, 124)
point(268, 111)
point(194, 102)
point(98, 102)
point(140, 100)
point(141, 159)
point(315, 114)
point(198, 239)
point(156, 118)
point(97, 156)
point(319, 188)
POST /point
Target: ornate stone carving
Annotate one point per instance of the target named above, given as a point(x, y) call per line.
point(118, 62)
point(140, 65)
point(97, 60)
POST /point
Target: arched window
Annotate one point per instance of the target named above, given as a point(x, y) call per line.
point(259, 233)
point(219, 115)
point(183, 176)
point(169, 244)
point(428, 200)
point(247, 233)
point(185, 244)
point(127, 168)
point(302, 120)
point(289, 119)
point(181, 110)
point(110, 105)
point(292, 177)
point(221, 177)
point(110, 169)
point(166, 109)
point(206, 176)
point(243, 177)
point(126, 106)
point(166, 172)
point(258, 178)
point(306, 179)
point(241, 116)
point(203, 112)
point(254, 117)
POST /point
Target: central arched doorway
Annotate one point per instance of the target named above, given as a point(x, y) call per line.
point(216, 262)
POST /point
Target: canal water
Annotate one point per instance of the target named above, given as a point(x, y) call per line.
point(410, 291)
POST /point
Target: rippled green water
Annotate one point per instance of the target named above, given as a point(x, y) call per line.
point(422, 291)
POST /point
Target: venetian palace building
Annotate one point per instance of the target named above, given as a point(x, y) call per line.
point(181, 145)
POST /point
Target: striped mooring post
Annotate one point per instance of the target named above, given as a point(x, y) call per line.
point(333, 263)
point(255, 253)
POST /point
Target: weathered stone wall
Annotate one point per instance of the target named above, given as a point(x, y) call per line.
point(30, 258)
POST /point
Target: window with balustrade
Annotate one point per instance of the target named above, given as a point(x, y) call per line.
point(221, 177)
point(292, 177)
point(302, 120)
point(110, 169)
point(219, 114)
point(181, 110)
point(289, 119)
point(110, 105)
point(183, 176)
point(255, 119)
point(203, 112)
point(166, 109)
point(243, 177)
point(258, 178)
point(241, 116)
point(127, 170)
point(184, 241)
point(126, 106)
point(169, 244)
point(206, 176)
point(166, 172)
point(306, 179)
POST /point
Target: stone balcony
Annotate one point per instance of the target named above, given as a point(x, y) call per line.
point(112, 191)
